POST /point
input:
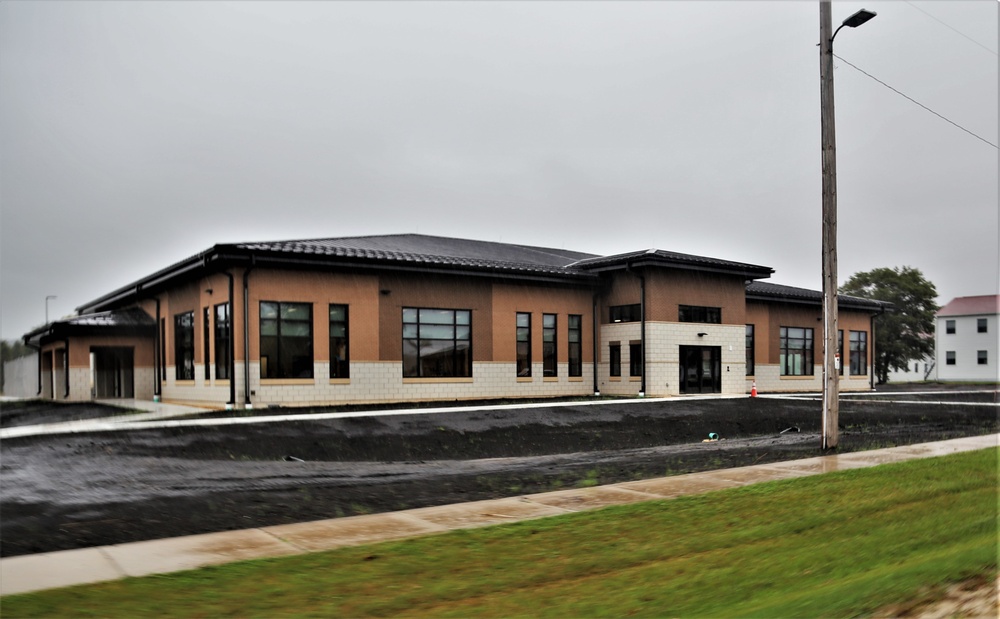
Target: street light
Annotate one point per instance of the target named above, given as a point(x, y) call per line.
point(51, 296)
point(831, 384)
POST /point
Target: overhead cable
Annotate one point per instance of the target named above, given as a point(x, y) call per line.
point(914, 101)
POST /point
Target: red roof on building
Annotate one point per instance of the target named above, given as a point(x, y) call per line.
point(970, 306)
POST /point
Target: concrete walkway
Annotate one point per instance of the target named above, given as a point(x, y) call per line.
point(90, 565)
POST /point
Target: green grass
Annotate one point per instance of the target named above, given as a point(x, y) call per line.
point(836, 545)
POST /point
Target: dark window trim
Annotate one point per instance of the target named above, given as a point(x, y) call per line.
point(522, 367)
point(949, 357)
point(699, 313)
point(859, 352)
point(274, 368)
point(222, 342)
point(205, 329)
point(615, 359)
point(550, 350)
point(340, 368)
point(575, 348)
point(750, 343)
point(982, 357)
point(635, 359)
point(460, 372)
point(625, 313)
point(808, 348)
point(949, 327)
point(184, 346)
point(982, 325)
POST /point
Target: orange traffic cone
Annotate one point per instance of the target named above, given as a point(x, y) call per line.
point(753, 390)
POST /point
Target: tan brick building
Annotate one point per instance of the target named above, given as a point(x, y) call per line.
point(422, 318)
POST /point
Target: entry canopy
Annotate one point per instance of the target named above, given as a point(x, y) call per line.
point(130, 321)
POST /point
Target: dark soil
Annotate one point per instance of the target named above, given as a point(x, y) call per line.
point(77, 490)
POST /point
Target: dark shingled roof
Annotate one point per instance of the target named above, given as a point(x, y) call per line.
point(769, 292)
point(431, 251)
point(670, 258)
point(130, 320)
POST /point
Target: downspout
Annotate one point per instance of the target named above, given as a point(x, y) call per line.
point(595, 346)
point(157, 352)
point(66, 369)
point(642, 336)
point(232, 349)
point(246, 334)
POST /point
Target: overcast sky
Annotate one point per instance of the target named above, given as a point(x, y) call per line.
point(135, 134)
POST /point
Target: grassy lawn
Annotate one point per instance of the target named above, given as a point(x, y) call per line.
point(836, 545)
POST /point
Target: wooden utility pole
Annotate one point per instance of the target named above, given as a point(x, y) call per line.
point(831, 375)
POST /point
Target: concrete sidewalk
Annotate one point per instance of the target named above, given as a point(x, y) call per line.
point(90, 565)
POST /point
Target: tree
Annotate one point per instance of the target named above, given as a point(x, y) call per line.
point(906, 331)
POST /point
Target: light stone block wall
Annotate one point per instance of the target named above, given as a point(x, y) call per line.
point(79, 385)
point(769, 380)
point(663, 342)
point(379, 382)
point(20, 377)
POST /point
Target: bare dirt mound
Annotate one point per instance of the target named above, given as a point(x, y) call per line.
point(72, 491)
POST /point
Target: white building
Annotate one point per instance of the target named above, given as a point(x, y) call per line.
point(966, 339)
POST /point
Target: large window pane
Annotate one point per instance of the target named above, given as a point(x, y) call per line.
point(222, 341)
point(286, 346)
point(184, 346)
point(796, 351)
point(549, 354)
point(523, 331)
point(575, 340)
point(340, 366)
point(437, 343)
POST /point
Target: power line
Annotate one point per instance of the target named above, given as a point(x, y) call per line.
point(915, 101)
point(950, 28)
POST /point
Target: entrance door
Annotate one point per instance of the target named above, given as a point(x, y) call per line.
point(701, 369)
point(113, 373)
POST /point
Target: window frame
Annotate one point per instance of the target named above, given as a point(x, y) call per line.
point(575, 356)
point(615, 359)
point(340, 368)
point(223, 341)
point(417, 366)
point(700, 314)
point(949, 327)
point(949, 357)
point(859, 352)
point(550, 346)
point(982, 325)
point(750, 343)
point(635, 359)
point(982, 357)
point(522, 344)
point(283, 365)
point(631, 312)
point(184, 346)
point(807, 351)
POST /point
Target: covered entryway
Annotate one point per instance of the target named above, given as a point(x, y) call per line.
point(112, 372)
point(701, 369)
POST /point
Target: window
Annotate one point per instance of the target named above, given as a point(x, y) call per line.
point(695, 313)
point(523, 327)
point(981, 325)
point(575, 345)
point(206, 318)
point(184, 346)
point(749, 345)
point(626, 313)
point(949, 326)
point(859, 352)
point(615, 359)
point(286, 346)
point(796, 351)
point(949, 357)
point(437, 343)
point(635, 359)
point(340, 356)
point(840, 351)
point(981, 357)
point(549, 355)
point(222, 351)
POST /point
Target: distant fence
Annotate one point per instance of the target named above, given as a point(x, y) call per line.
point(20, 377)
